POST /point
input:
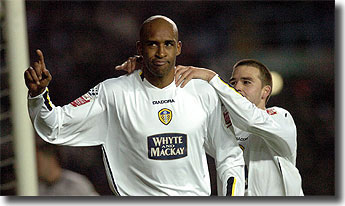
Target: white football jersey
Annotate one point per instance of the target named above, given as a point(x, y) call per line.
point(153, 140)
point(269, 142)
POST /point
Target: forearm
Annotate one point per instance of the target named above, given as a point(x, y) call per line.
point(208, 75)
point(243, 113)
point(43, 115)
point(231, 180)
point(67, 125)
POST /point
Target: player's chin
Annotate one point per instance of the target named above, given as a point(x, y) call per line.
point(160, 70)
point(156, 72)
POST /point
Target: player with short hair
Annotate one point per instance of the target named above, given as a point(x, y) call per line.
point(153, 135)
point(267, 136)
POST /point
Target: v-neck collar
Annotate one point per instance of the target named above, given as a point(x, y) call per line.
point(149, 85)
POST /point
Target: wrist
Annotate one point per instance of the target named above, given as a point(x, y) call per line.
point(36, 93)
point(211, 74)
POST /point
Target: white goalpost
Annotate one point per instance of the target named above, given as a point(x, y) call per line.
point(17, 61)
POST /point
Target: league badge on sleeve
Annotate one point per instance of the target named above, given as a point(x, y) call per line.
point(165, 116)
point(81, 100)
point(271, 111)
point(92, 93)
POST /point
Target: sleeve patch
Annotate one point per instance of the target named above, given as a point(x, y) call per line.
point(271, 111)
point(81, 100)
point(92, 93)
point(227, 119)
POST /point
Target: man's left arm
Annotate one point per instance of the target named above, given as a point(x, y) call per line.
point(223, 147)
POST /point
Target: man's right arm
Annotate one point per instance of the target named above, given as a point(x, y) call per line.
point(80, 123)
point(279, 130)
point(83, 122)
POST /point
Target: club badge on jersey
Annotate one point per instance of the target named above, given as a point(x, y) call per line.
point(165, 116)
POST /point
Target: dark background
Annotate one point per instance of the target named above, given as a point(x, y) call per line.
point(84, 41)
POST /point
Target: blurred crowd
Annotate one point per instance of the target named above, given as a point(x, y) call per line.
point(84, 40)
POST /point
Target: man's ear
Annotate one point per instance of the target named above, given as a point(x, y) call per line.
point(179, 47)
point(266, 91)
point(139, 48)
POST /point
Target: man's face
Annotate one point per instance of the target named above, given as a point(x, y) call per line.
point(245, 79)
point(159, 47)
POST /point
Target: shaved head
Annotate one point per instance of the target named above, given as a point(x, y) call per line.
point(159, 46)
point(160, 20)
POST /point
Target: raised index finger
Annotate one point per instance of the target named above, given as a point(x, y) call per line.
point(40, 55)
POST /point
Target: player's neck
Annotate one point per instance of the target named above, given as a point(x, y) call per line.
point(159, 81)
point(262, 105)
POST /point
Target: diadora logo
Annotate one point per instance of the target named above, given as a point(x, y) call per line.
point(163, 101)
point(241, 138)
point(167, 146)
point(165, 116)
